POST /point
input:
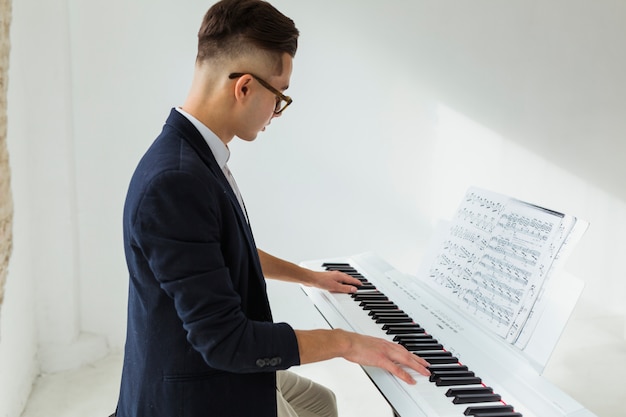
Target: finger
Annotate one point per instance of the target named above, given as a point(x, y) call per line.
point(347, 289)
point(421, 361)
point(422, 368)
point(347, 279)
point(344, 278)
point(418, 364)
point(343, 283)
point(399, 372)
point(412, 361)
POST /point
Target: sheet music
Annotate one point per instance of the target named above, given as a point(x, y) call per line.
point(496, 258)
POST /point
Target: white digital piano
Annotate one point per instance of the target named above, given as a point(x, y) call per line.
point(485, 310)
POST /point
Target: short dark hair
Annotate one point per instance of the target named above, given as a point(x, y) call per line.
point(232, 27)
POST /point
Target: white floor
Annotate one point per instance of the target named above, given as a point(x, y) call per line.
point(589, 364)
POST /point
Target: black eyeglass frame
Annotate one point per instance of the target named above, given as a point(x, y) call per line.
point(279, 108)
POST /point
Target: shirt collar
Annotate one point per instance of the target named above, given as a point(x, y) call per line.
point(219, 149)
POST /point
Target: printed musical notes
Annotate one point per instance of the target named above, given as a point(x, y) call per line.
point(496, 258)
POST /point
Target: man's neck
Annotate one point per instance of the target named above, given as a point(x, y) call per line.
point(214, 120)
point(207, 102)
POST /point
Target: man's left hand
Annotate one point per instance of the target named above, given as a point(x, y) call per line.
point(335, 281)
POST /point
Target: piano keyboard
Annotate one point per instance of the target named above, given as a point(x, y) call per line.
point(462, 385)
point(384, 306)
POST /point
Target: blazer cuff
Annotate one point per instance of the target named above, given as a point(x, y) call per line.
point(286, 348)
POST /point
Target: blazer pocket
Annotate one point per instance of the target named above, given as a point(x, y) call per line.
point(192, 377)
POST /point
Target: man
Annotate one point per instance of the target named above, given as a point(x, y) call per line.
point(200, 336)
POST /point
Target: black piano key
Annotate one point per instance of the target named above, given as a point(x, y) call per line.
point(377, 302)
point(347, 271)
point(438, 354)
point(384, 312)
point(380, 306)
point(412, 325)
point(424, 342)
point(437, 360)
point(420, 338)
point(409, 344)
point(453, 392)
point(414, 337)
point(366, 289)
point(412, 347)
point(403, 329)
point(366, 294)
point(389, 313)
point(434, 375)
point(342, 268)
point(365, 286)
point(376, 316)
point(445, 381)
point(409, 326)
point(417, 341)
point(406, 319)
point(488, 410)
point(504, 414)
point(370, 296)
point(435, 368)
point(476, 398)
point(393, 320)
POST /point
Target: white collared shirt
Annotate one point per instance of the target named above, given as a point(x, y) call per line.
point(220, 152)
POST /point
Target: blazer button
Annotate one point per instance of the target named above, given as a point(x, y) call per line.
point(275, 361)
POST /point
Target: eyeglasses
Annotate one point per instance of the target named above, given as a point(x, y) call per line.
point(282, 101)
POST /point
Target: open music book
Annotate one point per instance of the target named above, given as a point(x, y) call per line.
point(496, 261)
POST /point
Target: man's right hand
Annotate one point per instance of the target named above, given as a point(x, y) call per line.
point(320, 345)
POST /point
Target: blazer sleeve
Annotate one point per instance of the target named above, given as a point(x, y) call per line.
point(178, 226)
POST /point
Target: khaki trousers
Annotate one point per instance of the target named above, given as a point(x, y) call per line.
point(297, 396)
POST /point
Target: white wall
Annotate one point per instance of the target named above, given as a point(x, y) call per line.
point(371, 152)
point(131, 61)
point(398, 108)
point(39, 327)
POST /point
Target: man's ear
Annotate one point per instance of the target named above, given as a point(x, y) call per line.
point(242, 87)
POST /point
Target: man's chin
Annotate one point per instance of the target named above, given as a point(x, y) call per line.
point(248, 138)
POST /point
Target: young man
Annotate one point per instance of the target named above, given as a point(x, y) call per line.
point(200, 336)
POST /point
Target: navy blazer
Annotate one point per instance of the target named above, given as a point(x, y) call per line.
point(200, 337)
